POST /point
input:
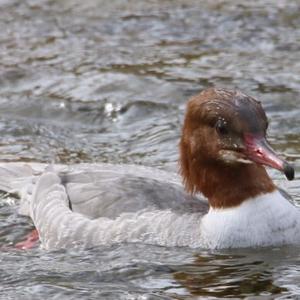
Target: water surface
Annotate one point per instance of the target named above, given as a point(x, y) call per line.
point(98, 81)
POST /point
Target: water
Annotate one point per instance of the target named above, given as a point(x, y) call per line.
point(98, 81)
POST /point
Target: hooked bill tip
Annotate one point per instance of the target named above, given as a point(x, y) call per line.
point(289, 171)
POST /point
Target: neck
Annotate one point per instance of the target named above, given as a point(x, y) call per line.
point(228, 185)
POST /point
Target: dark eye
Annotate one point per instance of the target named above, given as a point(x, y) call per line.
point(221, 127)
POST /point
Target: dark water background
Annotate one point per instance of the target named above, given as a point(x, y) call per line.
point(98, 81)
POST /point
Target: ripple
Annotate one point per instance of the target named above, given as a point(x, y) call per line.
point(98, 81)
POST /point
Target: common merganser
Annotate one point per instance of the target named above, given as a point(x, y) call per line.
point(223, 150)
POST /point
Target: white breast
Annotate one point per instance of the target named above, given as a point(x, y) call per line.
point(265, 220)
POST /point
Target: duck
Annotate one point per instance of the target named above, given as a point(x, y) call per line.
point(223, 197)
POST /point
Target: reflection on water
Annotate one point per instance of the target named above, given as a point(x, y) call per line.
point(229, 275)
point(98, 81)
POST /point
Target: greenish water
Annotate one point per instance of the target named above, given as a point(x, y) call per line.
point(99, 81)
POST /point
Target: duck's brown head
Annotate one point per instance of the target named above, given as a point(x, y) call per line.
point(223, 148)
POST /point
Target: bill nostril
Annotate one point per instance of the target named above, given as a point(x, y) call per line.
point(259, 152)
